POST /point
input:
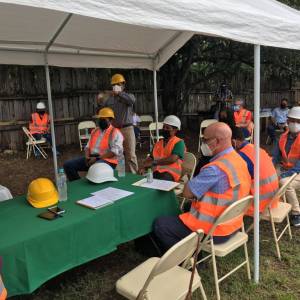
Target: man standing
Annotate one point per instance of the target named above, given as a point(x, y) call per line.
point(243, 117)
point(279, 118)
point(220, 183)
point(39, 125)
point(104, 145)
point(166, 158)
point(287, 154)
point(268, 179)
point(122, 104)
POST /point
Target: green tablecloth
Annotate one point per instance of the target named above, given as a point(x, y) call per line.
point(35, 250)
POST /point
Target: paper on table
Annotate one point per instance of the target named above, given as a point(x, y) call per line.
point(112, 194)
point(95, 202)
point(157, 184)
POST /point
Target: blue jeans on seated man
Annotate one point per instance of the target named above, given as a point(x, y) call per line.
point(169, 230)
point(73, 166)
point(272, 130)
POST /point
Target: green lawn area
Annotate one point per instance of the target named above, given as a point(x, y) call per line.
point(96, 279)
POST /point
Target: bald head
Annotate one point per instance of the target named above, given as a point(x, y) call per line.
point(218, 137)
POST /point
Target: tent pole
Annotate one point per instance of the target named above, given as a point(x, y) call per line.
point(155, 102)
point(257, 158)
point(51, 115)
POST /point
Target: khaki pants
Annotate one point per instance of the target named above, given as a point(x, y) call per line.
point(291, 193)
point(129, 145)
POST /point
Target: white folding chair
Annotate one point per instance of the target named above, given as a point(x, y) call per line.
point(250, 138)
point(203, 125)
point(84, 132)
point(276, 215)
point(235, 210)
point(32, 144)
point(163, 278)
point(152, 131)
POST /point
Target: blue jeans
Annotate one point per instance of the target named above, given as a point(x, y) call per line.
point(47, 136)
point(169, 230)
point(73, 166)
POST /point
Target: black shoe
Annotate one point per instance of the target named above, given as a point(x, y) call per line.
point(295, 220)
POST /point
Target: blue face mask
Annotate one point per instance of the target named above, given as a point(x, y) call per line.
point(236, 107)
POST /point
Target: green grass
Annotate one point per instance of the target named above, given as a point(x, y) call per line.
point(96, 279)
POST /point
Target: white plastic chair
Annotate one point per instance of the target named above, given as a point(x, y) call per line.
point(235, 210)
point(278, 214)
point(84, 132)
point(32, 144)
point(163, 278)
point(152, 131)
point(203, 125)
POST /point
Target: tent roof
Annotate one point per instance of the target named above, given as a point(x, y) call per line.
point(133, 33)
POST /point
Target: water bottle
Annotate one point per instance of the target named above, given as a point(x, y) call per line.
point(121, 165)
point(150, 175)
point(62, 185)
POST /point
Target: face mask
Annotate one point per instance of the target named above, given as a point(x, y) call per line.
point(294, 127)
point(283, 106)
point(166, 134)
point(236, 107)
point(206, 151)
point(103, 124)
point(41, 112)
point(117, 88)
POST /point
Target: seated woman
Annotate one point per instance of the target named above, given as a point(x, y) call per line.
point(167, 155)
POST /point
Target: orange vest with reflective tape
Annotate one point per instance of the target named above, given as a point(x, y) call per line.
point(159, 152)
point(268, 179)
point(240, 118)
point(204, 213)
point(100, 142)
point(3, 291)
point(288, 161)
point(38, 124)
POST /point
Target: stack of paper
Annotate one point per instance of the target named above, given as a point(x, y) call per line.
point(104, 197)
point(157, 184)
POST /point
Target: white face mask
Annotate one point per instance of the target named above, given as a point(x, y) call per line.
point(117, 88)
point(206, 151)
point(294, 127)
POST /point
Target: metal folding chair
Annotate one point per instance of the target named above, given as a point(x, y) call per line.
point(84, 132)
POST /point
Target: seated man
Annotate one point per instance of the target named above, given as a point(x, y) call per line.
point(243, 117)
point(167, 155)
point(279, 118)
point(267, 174)
point(220, 183)
point(39, 125)
point(104, 145)
point(287, 154)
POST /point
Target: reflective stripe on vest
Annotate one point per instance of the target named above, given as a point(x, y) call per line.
point(203, 213)
point(159, 152)
point(38, 125)
point(268, 181)
point(100, 142)
point(3, 291)
point(288, 161)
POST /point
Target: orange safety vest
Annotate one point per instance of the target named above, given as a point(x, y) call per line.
point(100, 142)
point(290, 159)
point(204, 213)
point(268, 179)
point(159, 152)
point(3, 291)
point(240, 118)
point(38, 124)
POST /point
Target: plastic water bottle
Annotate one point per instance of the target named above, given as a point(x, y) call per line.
point(62, 185)
point(150, 175)
point(121, 165)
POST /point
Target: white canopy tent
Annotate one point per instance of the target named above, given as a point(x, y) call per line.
point(139, 34)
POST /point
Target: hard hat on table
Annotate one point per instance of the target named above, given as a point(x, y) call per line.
point(100, 172)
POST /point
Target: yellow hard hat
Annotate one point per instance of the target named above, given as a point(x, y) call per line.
point(42, 193)
point(117, 78)
point(105, 112)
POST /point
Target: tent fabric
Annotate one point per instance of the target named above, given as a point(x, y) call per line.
point(132, 33)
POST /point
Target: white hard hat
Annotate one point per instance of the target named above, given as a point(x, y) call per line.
point(100, 172)
point(294, 112)
point(41, 105)
point(173, 121)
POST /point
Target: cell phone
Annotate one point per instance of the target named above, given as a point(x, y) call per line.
point(48, 215)
point(56, 210)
